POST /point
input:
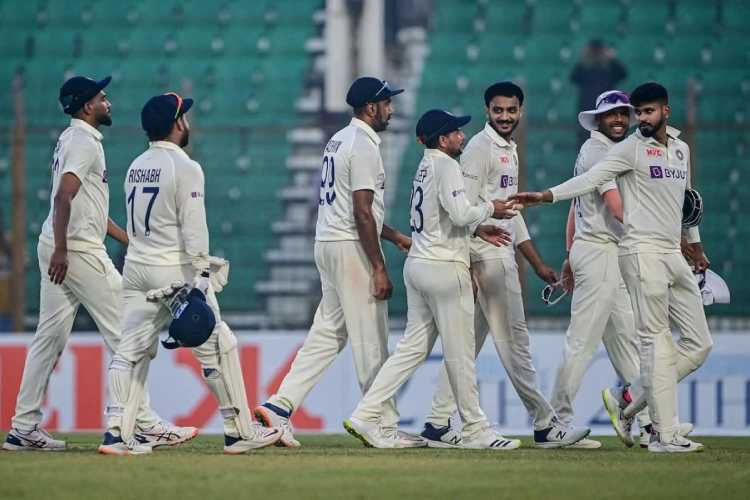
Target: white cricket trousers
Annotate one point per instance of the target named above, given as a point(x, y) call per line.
point(440, 303)
point(91, 281)
point(663, 289)
point(500, 312)
point(347, 311)
point(600, 309)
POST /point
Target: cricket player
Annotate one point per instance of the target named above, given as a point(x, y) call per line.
point(349, 258)
point(168, 235)
point(653, 171)
point(490, 171)
point(439, 290)
point(600, 307)
point(75, 267)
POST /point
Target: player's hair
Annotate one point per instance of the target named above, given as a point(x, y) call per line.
point(157, 136)
point(433, 143)
point(505, 89)
point(359, 110)
point(649, 92)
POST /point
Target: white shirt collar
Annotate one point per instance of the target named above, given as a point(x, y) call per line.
point(166, 145)
point(437, 154)
point(75, 122)
point(489, 130)
point(368, 130)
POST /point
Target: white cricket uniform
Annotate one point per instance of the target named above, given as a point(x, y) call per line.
point(438, 291)
point(91, 279)
point(168, 234)
point(652, 179)
point(490, 171)
point(600, 307)
point(348, 310)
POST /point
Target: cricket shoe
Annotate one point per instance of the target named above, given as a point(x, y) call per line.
point(164, 434)
point(490, 439)
point(114, 445)
point(441, 437)
point(370, 433)
point(272, 416)
point(622, 425)
point(403, 439)
point(260, 437)
point(586, 444)
point(559, 435)
point(648, 433)
point(35, 440)
point(678, 444)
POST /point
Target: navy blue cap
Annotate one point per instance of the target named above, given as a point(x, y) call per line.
point(437, 122)
point(369, 89)
point(193, 323)
point(161, 111)
point(79, 90)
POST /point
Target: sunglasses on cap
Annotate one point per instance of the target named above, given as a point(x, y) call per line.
point(179, 103)
point(614, 98)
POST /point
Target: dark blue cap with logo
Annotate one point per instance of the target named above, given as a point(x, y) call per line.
point(193, 323)
point(79, 90)
point(369, 89)
point(437, 122)
point(161, 111)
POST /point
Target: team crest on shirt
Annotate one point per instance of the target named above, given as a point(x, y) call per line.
point(680, 154)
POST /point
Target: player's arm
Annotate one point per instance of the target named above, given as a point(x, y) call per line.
point(570, 232)
point(191, 214)
point(368, 237)
point(117, 232)
point(66, 191)
point(692, 235)
point(614, 164)
point(365, 169)
point(396, 237)
point(541, 269)
point(613, 201)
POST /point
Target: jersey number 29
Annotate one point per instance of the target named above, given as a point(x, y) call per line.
point(153, 191)
point(327, 179)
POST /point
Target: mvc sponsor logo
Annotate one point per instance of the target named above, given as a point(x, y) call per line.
point(655, 152)
point(508, 181)
point(504, 160)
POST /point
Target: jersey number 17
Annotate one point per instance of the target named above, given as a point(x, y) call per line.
point(153, 191)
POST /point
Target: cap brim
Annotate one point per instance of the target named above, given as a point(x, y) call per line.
point(587, 119)
point(101, 84)
point(187, 103)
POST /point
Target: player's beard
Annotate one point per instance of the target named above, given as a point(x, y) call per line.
point(185, 139)
point(381, 122)
point(648, 130)
point(104, 118)
point(496, 125)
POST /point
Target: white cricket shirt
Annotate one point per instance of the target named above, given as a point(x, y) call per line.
point(351, 162)
point(441, 217)
point(79, 152)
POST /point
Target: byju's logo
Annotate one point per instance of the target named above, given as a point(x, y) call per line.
point(507, 180)
point(656, 172)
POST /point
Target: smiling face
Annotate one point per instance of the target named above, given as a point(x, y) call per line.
point(452, 143)
point(503, 114)
point(614, 123)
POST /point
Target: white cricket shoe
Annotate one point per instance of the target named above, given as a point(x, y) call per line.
point(648, 434)
point(114, 445)
point(559, 435)
point(35, 440)
point(441, 437)
point(369, 433)
point(260, 437)
point(403, 439)
point(272, 416)
point(586, 444)
point(623, 426)
point(164, 434)
point(490, 439)
point(678, 444)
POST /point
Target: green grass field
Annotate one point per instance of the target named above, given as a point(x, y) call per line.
point(337, 466)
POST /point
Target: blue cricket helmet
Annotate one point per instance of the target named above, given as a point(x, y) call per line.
point(192, 324)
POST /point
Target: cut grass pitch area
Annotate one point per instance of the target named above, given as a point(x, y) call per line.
point(338, 467)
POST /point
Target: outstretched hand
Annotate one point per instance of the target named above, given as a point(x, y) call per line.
point(494, 235)
point(505, 209)
point(528, 199)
